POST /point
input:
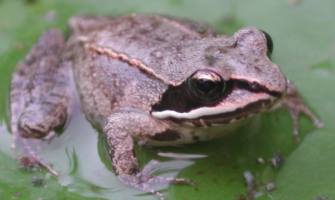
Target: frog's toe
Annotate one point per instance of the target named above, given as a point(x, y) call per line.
point(147, 182)
point(141, 183)
point(156, 180)
point(30, 158)
point(150, 168)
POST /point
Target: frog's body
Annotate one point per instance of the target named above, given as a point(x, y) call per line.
point(150, 79)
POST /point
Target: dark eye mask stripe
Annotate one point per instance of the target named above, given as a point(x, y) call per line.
point(228, 117)
point(254, 87)
point(179, 99)
point(259, 100)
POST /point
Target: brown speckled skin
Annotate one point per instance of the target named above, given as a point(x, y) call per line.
point(123, 66)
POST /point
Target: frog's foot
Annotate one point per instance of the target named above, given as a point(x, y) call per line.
point(147, 182)
point(22, 142)
point(33, 162)
point(37, 123)
point(30, 158)
point(297, 107)
point(34, 128)
point(40, 96)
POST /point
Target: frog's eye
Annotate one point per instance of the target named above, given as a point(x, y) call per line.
point(206, 85)
point(269, 43)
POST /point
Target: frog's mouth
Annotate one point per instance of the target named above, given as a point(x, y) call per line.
point(240, 103)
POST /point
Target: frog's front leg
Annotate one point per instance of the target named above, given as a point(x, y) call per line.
point(121, 129)
point(40, 94)
point(296, 106)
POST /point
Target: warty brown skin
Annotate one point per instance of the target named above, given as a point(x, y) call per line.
point(129, 69)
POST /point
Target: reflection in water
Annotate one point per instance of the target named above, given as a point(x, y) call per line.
point(181, 155)
point(5, 139)
point(74, 154)
point(85, 171)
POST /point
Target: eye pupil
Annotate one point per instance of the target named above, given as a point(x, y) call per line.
point(206, 86)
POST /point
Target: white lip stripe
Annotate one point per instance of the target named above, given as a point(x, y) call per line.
point(196, 113)
point(193, 114)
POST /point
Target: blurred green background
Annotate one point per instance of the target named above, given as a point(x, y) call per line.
point(304, 46)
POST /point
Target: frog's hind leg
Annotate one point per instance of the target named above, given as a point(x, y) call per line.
point(40, 95)
point(296, 106)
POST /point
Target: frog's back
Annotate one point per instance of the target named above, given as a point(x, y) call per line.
point(139, 29)
point(109, 53)
point(155, 41)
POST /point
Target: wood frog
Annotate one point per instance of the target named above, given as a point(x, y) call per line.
point(148, 79)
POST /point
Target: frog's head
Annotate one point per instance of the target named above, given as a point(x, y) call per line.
point(235, 79)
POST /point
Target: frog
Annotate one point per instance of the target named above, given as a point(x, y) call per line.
point(145, 79)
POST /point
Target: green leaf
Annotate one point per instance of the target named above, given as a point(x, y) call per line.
point(304, 46)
